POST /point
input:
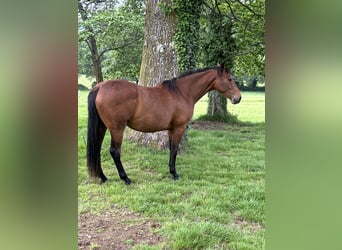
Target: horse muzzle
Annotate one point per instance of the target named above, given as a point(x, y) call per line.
point(236, 99)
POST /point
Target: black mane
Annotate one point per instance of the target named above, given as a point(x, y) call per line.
point(171, 83)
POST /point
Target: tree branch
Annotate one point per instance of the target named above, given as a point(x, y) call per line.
point(218, 9)
point(231, 10)
point(250, 9)
point(133, 40)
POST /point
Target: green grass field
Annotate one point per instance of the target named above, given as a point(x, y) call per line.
point(219, 202)
point(250, 109)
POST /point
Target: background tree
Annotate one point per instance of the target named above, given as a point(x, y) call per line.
point(89, 38)
point(248, 33)
point(179, 35)
point(124, 39)
point(217, 47)
point(159, 61)
point(232, 31)
point(84, 60)
point(187, 35)
point(117, 30)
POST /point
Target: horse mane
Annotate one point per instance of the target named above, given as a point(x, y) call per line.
point(171, 83)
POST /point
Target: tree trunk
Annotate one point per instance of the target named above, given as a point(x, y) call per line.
point(97, 68)
point(91, 42)
point(217, 105)
point(159, 61)
point(254, 82)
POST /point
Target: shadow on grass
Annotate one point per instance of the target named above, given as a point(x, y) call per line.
point(228, 120)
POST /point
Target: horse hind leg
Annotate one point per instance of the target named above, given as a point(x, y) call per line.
point(115, 151)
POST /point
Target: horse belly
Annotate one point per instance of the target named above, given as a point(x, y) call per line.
point(149, 123)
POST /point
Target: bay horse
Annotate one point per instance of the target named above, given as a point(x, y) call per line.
point(115, 104)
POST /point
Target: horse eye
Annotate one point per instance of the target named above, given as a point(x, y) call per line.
point(230, 79)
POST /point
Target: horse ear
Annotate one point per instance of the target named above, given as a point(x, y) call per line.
point(221, 66)
point(220, 69)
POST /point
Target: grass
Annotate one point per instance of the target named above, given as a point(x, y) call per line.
point(250, 109)
point(86, 81)
point(219, 201)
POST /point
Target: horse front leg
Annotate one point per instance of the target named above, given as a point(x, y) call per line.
point(175, 136)
point(172, 161)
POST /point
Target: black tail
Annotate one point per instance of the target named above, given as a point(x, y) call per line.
point(96, 131)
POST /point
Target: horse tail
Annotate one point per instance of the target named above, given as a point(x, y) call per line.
point(96, 131)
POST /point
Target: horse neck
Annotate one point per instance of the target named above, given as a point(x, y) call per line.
point(194, 86)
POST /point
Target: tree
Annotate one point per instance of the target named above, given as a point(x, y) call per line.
point(217, 48)
point(91, 42)
point(187, 35)
point(84, 60)
point(114, 34)
point(248, 32)
point(232, 31)
point(123, 40)
point(159, 61)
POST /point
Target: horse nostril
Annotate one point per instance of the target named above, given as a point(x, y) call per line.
point(236, 100)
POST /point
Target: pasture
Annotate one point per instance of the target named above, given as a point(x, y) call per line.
point(219, 202)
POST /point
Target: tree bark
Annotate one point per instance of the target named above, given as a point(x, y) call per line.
point(97, 68)
point(217, 105)
point(159, 61)
point(254, 82)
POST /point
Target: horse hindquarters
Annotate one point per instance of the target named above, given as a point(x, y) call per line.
point(96, 132)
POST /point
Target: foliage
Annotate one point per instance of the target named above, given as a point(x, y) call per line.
point(217, 46)
point(84, 60)
point(237, 28)
point(186, 39)
point(249, 32)
point(119, 31)
point(167, 8)
point(187, 34)
point(217, 43)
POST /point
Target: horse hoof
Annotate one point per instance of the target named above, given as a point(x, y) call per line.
point(176, 177)
point(128, 181)
point(103, 178)
point(103, 181)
